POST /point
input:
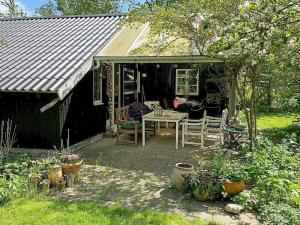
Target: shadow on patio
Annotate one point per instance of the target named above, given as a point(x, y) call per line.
point(140, 178)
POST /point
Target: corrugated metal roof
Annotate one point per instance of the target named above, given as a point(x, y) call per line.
point(43, 54)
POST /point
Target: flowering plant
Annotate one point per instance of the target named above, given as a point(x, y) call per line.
point(70, 158)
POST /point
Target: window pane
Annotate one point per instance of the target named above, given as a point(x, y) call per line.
point(97, 86)
point(187, 81)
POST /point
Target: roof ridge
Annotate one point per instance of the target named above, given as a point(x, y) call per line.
point(62, 17)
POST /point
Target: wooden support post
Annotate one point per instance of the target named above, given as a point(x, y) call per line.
point(110, 94)
point(232, 97)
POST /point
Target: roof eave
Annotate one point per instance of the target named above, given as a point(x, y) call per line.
point(157, 59)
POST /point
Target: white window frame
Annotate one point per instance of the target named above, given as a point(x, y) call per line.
point(99, 73)
point(186, 85)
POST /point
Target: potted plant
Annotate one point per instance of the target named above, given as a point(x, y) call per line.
point(61, 184)
point(71, 164)
point(231, 172)
point(54, 173)
point(203, 185)
point(234, 175)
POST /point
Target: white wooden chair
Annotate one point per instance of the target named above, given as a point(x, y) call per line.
point(151, 104)
point(151, 126)
point(214, 127)
point(193, 131)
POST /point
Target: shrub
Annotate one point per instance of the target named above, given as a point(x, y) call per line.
point(20, 176)
point(204, 185)
point(281, 213)
point(14, 187)
point(273, 171)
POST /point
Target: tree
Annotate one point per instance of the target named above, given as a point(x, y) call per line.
point(13, 9)
point(49, 9)
point(257, 40)
point(81, 7)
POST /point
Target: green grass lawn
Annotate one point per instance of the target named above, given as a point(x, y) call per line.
point(57, 212)
point(278, 126)
point(271, 121)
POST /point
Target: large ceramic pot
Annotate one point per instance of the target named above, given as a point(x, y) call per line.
point(179, 172)
point(71, 169)
point(54, 174)
point(234, 188)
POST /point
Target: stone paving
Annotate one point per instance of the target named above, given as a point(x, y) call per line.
point(140, 178)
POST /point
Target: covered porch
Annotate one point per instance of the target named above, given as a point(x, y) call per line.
point(137, 72)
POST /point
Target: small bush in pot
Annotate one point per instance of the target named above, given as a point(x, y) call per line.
point(203, 185)
point(70, 158)
point(231, 172)
point(71, 163)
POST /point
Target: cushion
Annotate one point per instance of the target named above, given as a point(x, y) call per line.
point(130, 126)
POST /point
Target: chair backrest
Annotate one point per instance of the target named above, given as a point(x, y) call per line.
point(224, 117)
point(122, 114)
point(204, 114)
point(152, 104)
point(166, 104)
point(198, 124)
point(217, 123)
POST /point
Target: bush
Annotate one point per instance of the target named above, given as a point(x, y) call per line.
point(204, 185)
point(20, 176)
point(14, 187)
point(281, 213)
point(273, 171)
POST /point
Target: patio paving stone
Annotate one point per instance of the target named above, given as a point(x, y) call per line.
point(140, 178)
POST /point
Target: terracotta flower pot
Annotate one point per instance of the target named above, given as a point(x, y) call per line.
point(71, 169)
point(234, 188)
point(55, 174)
point(179, 172)
point(61, 184)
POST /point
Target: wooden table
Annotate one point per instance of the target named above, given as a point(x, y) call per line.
point(167, 116)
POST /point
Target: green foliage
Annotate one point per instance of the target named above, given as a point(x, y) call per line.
point(13, 187)
point(49, 9)
point(204, 185)
point(295, 188)
point(75, 7)
point(51, 212)
point(281, 213)
point(210, 182)
point(226, 169)
point(13, 9)
point(279, 126)
point(273, 171)
point(20, 176)
point(259, 41)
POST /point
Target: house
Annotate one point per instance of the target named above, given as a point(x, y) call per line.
point(64, 76)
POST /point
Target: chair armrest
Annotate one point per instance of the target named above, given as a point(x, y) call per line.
point(193, 121)
point(133, 122)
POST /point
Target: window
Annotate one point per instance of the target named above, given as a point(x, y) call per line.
point(187, 82)
point(97, 86)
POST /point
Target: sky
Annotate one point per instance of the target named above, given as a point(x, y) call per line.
point(29, 6)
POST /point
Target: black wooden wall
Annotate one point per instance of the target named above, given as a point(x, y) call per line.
point(45, 130)
point(78, 114)
point(34, 129)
